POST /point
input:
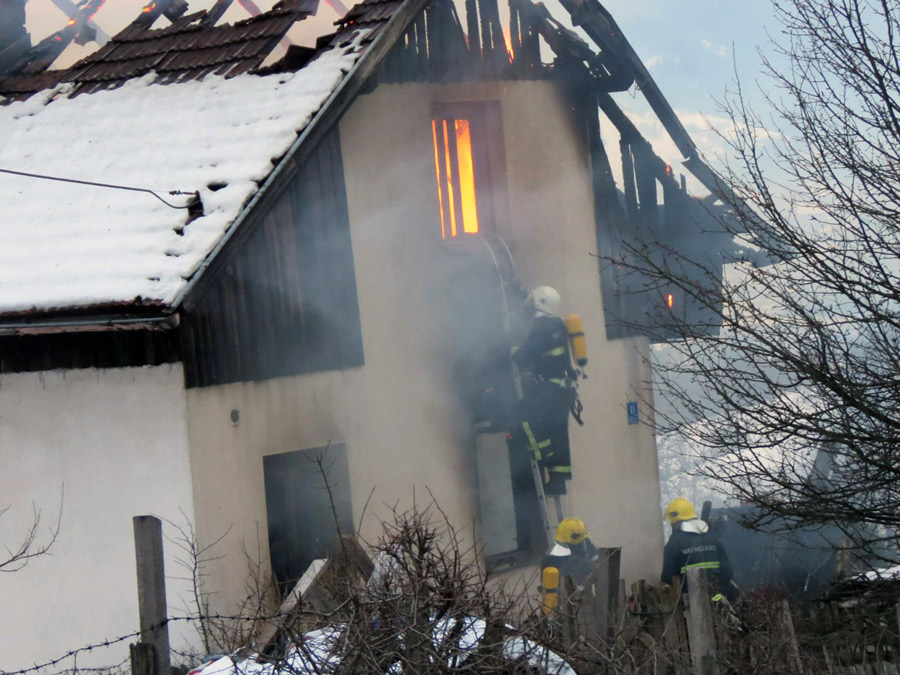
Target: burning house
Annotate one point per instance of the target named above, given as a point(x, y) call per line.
point(218, 268)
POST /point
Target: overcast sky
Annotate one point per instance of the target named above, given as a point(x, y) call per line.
point(692, 48)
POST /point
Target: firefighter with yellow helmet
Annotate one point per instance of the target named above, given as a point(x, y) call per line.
point(573, 555)
point(693, 545)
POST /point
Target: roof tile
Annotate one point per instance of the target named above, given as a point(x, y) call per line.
point(185, 47)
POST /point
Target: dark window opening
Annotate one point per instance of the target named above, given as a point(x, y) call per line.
point(512, 531)
point(303, 525)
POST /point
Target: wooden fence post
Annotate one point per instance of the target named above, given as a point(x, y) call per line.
point(151, 579)
point(700, 623)
point(675, 635)
point(786, 631)
point(143, 659)
point(605, 610)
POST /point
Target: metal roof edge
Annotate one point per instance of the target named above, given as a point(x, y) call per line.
point(329, 113)
point(89, 324)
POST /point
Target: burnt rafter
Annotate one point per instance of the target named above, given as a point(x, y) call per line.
point(602, 29)
point(81, 17)
point(171, 9)
point(608, 68)
point(190, 47)
point(675, 232)
point(598, 23)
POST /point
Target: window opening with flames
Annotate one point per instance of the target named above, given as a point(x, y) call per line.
point(470, 168)
point(454, 165)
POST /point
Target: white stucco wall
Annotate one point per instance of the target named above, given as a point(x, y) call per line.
point(112, 444)
point(399, 415)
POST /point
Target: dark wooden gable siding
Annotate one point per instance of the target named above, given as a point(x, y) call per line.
point(102, 349)
point(286, 302)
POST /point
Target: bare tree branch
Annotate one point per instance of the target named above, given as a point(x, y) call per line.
point(803, 358)
point(30, 546)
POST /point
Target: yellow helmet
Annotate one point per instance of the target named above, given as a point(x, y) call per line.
point(680, 509)
point(571, 531)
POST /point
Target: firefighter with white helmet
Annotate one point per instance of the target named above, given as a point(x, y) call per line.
point(545, 299)
point(542, 427)
point(693, 545)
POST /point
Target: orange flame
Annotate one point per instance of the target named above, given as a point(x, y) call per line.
point(149, 8)
point(455, 173)
point(670, 301)
point(72, 22)
point(466, 176)
point(509, 47)
point(96, 8)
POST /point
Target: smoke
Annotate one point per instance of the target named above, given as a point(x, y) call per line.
point(14, 38)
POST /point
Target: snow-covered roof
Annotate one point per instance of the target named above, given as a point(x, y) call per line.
point(65, 245)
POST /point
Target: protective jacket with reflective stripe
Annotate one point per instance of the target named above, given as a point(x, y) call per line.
point(546, 350)
point(543, 413)
point(693, 545)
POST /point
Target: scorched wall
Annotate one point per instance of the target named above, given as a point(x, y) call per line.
point(399, 416)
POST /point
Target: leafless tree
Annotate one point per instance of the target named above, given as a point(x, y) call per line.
point(31, 544)
point(427, 608)
point(795, 400)
point(221, 634)
point(417, 600)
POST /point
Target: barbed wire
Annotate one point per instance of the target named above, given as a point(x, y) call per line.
point(110, 642)
point(99, 670)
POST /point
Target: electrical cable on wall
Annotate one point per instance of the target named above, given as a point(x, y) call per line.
point(189, 205)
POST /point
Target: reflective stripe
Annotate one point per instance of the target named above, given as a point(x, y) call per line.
point(557, 381)
point(560, 469)
point(717, 597)
point(557, 351)
point(702, 566)
point(544, 444)
point(532, 441)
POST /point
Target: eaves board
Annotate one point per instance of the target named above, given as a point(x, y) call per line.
point(329, 114)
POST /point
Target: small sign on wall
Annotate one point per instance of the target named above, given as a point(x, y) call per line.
point(633, 415)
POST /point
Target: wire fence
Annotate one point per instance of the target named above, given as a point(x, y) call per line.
point(73, 654)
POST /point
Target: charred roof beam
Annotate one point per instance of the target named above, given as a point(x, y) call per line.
point(216, 12)
point(599, 25)
point(14, 38)
point(171, 9)
point(44, 53)
point(82, 18)
point(639, 159)
point(606, 34)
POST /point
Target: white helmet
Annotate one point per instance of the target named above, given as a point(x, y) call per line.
point(545, 299)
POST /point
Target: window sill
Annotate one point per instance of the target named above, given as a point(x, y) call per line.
point(503, 562)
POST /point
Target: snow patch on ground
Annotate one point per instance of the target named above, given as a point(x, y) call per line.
point(318, 653)
point(883, 574)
